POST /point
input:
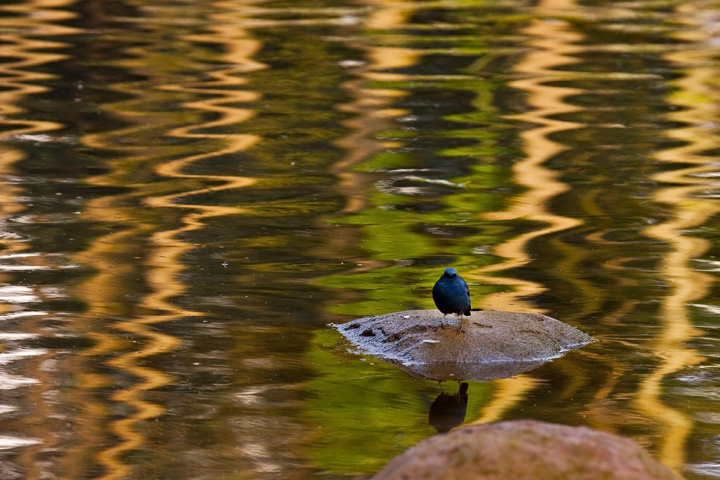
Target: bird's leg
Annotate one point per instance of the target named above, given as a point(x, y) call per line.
point(442, 322)
point(460, 323)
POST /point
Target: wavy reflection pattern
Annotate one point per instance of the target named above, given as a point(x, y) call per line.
point(377, 108)
point(554, 46)
point(373, 111)
point(138, 248)
point(688, 285)
point(27, 382)
point(690, 190)
point(145, 228)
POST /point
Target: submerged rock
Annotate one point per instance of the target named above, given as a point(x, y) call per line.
point(495, 344)
point(526, 450)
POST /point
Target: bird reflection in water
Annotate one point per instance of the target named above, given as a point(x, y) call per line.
point(448, 411)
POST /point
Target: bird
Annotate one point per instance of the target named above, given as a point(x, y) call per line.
point(452, 295)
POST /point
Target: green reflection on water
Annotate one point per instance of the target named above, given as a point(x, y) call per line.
point(200, 189)
point(350, 398)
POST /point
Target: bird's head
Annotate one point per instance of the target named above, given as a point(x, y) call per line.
point(450, 272)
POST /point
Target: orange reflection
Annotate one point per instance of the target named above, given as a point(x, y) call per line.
point(373, 112)
point(24, 51)
point(120, 257)
point(510, 392)
point(19, 82)
point(554, 47)
point(698, 98)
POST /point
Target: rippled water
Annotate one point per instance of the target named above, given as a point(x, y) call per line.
point(192, 191)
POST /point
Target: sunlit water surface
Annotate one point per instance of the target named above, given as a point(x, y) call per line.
point(192, 191)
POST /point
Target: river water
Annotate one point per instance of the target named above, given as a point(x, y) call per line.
point(190, 192)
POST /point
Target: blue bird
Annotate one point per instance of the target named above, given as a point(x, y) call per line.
point(452, 295)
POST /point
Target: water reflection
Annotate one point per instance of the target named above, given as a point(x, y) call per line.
point(684, 189)
point(161, 250)
point(448, 410)
point(27, 379)
point(554, 46)
point(189, 194)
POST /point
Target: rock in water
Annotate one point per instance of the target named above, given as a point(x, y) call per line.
point(452, 295)
point(497, 344)
point(526, 450)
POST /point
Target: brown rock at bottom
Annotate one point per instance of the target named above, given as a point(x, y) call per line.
point(526, 450)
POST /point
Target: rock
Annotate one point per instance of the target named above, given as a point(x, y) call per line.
point(526, 450)
point(496, 344)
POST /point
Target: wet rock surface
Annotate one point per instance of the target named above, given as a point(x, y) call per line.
point(526, 450)
point(495, 344)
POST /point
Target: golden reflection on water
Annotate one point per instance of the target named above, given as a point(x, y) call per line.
point(510, 392)
point(684, 190)
point(373, 112)
point(127, 334)
point(117, 259)
point(554, 46)
point(20, 79)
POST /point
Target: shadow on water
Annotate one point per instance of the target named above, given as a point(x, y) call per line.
point(448, 410)
point(191, 193)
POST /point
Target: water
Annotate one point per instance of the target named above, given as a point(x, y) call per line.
point(192, 191)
